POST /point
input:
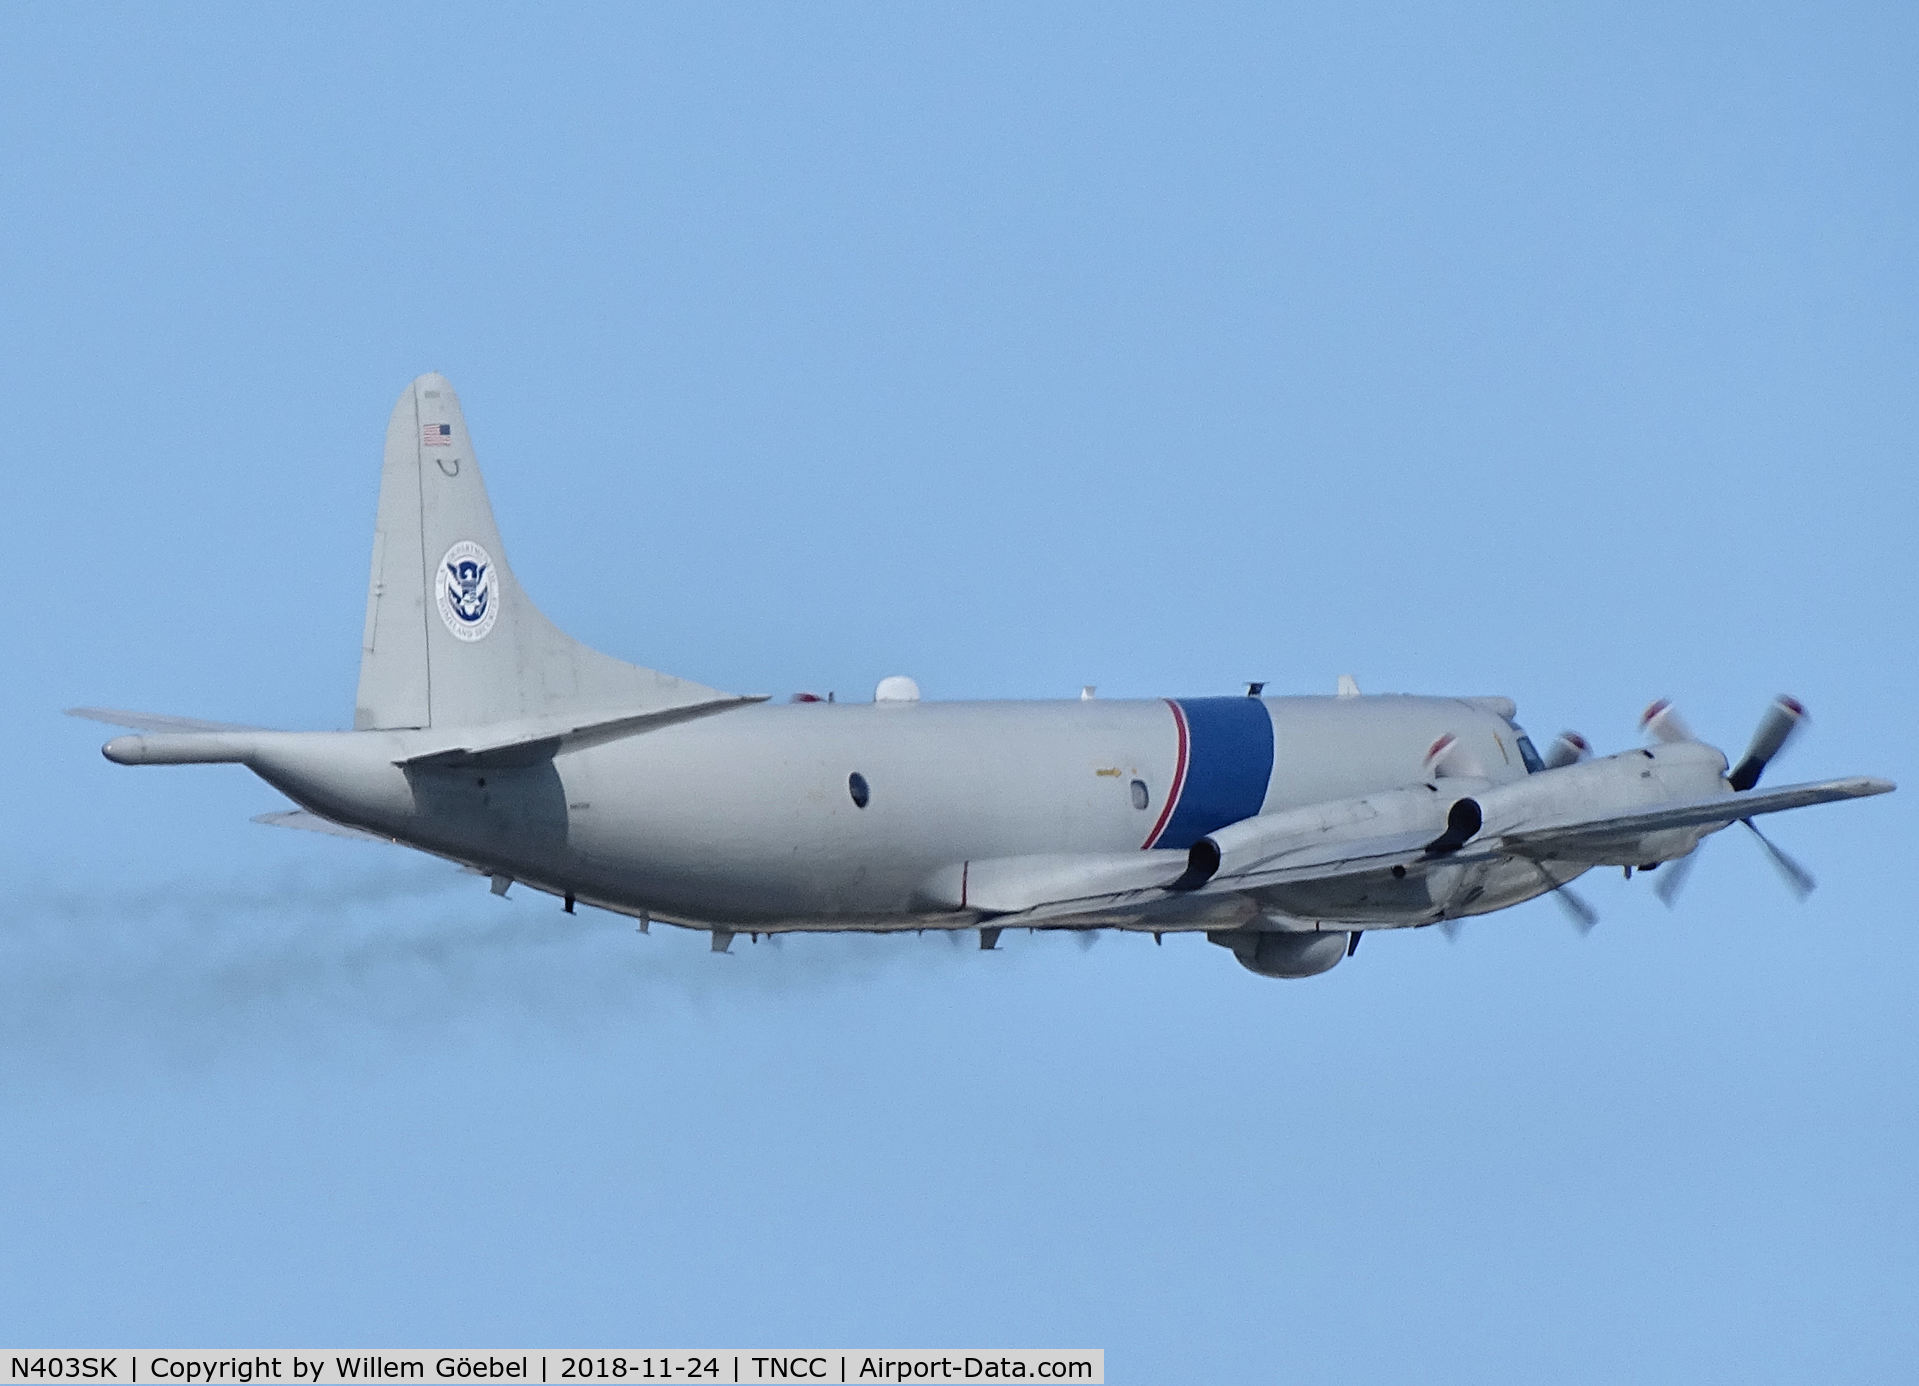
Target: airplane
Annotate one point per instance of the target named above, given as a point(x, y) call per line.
point(1281, 828)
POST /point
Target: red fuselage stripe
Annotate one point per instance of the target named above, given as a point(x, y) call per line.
point(1179, 778)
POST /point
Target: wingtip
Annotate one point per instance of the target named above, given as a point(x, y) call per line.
point(1865, 786)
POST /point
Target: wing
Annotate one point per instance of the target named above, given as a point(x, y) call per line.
point(1392, 872)
point(1161, 890)
point(1582, 838)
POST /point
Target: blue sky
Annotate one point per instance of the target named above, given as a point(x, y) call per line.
point(1563, 353)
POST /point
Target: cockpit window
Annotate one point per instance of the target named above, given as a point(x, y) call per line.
point(1529, 756)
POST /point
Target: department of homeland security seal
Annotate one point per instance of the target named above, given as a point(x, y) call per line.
point(469, 594)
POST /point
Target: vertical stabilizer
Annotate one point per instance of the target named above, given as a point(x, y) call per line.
point(451, 639)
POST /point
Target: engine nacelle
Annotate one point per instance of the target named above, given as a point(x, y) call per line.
point(1612, 786)
point(1426, 810)
point(1284, 954)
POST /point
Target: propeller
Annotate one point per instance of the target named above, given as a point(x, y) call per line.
point(1584, 917)
point(1662, 722)
point(1568, 748)
point(1777, 727)
point(1672, 878)
point(1673, 874)
point(1447, 756)
point(1797, 878)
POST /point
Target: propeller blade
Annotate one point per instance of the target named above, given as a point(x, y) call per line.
point(1451, 928)
point(1662, 722)
point(1447, 756)
point(1584, 917)
point(1797, 878)
point(1776, 728)
point(1672, 878)
point(1086, 939)
point(1568, 748)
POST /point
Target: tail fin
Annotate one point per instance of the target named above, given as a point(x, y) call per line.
point(451, 639)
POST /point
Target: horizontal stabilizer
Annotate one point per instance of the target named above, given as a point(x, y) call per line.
point(154, 721)
point(529, 740)
point(313, 823)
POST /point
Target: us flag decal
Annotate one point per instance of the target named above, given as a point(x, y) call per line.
point(436, 436)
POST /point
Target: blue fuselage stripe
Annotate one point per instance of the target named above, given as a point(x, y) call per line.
point(1229, 763)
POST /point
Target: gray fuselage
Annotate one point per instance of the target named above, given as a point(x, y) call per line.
point(750, 817)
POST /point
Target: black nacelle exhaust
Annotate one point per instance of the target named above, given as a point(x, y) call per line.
point(1462, 821)
point(1202, 864)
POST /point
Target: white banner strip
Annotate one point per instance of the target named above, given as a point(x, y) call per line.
point(631, 1367)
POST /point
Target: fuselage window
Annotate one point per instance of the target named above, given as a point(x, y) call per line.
point(1530, 756)
point(1140, 797)
point(856, 786)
